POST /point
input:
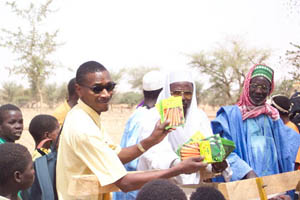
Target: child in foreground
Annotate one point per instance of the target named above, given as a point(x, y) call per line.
point(44, 130)
point(16, 170)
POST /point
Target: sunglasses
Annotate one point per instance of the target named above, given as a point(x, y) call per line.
point(97, 89)
point(264, 88)
point(186, 94)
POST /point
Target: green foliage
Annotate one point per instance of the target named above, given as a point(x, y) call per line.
point(116, 76)
point(284, 87)
point(200, 94)
point(226, 67)
point(32, 47)
point(14, 93)
point(55, 94)
point(136, 76)
point(293, 57)
point(131, 98)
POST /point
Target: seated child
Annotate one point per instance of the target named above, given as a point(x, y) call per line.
point(161, 189)
point(16, 170)
point(11, 123)
point(44, 130)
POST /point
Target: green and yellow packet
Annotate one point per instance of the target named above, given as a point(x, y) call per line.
point(213, 149)
point(171, 109)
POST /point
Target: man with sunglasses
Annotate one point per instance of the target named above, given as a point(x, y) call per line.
point(163, 155)
point(85, 147)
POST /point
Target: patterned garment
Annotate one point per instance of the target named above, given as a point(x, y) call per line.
point(249, 110)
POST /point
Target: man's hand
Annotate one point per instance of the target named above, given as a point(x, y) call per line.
point(191, 165)
point(219, 166)
point(250, 174)
point(159, 132)
point(281, 197)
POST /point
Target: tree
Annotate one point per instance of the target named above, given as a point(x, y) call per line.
point(284, 87)
point(136, 76)
point(55, 94)
point(32, 47)
point(293, 57)
point(226, 68)
point(14, 93)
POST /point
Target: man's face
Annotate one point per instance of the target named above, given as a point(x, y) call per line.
point(184, 89)
point(98, 102)
point(259, 89)
point(12, 126)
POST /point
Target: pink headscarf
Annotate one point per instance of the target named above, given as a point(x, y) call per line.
point(249, 110)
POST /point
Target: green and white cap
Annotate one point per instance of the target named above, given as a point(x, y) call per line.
point(263, 70)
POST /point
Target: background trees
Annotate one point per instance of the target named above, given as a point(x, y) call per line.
point(225, 68)
point(31, 45)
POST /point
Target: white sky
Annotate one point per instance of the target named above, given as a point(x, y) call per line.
point(157, 33)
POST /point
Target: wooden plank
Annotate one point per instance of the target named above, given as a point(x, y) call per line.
point(244, 189)
point(281, 182)
point(247, 189)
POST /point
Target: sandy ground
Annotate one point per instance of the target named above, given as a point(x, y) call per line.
point(114, 121)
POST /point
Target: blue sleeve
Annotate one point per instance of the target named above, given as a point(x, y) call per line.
point(238, 166)
point(227, 124)
point(129, 138)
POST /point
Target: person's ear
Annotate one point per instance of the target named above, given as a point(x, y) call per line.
point(78, 89)
point(18, 176)
point(46, 135)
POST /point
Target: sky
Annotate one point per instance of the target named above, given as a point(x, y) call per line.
point(156, 33)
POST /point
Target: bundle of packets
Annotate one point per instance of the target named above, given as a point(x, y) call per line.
point(213, 149)
point(171, 109)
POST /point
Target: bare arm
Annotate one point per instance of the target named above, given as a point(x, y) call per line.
point(137, 180)
point(159, 133)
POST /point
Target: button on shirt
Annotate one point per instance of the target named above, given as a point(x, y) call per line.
point(85, 148)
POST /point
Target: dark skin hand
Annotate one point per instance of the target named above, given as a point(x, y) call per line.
point(250, 174)
point(219, 166)
point(281, 197)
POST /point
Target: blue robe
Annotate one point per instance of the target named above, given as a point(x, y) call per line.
point(262, 144)
point(141, 121)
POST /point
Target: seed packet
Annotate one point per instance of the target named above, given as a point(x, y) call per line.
point(213, 148)
point(171, 109)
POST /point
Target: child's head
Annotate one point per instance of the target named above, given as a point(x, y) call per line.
point(282, 104)
point(207, 193)
point(11, 122)
point(161, 189)
point(43, 127)
point(16, 167)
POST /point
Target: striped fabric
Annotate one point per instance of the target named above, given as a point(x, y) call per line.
point(263, 70)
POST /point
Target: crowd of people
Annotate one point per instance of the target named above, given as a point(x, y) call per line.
point(266, 137)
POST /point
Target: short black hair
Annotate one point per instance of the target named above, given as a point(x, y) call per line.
point(152, 94)
point(13, 157)
point(161, 189)
point(281, 103)
point(71, 87)
point(41, 124)
point(88, 67)
point(207, 193)
point(7, 107)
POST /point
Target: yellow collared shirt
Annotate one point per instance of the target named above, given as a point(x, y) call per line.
point(85, 148)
